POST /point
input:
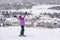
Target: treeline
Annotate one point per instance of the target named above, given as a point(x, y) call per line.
point(52, 15)
point(7, 6)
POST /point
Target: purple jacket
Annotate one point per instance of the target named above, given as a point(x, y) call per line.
point(22, 21)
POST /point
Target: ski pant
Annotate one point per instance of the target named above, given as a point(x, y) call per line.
point(22, 30)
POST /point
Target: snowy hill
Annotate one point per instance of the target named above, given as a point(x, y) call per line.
point(11, 33)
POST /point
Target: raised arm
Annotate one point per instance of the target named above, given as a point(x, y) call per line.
point(16, 17)
point(24, 16)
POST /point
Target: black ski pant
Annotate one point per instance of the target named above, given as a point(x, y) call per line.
point(22, 30)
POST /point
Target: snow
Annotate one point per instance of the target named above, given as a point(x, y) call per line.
point(33, 33)
point(36, 10)
point(43, 6)
point(12, 19)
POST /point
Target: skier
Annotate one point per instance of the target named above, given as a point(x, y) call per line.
point(22, 22)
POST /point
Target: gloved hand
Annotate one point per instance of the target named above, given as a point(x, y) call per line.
point(15, 16)
point(26, 13)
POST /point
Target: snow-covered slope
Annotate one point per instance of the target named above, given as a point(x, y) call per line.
point(36, 10)
point(11, 33)
point(43, 6)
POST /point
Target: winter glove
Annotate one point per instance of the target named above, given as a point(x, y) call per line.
point(15, 16)
point(26, 13)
